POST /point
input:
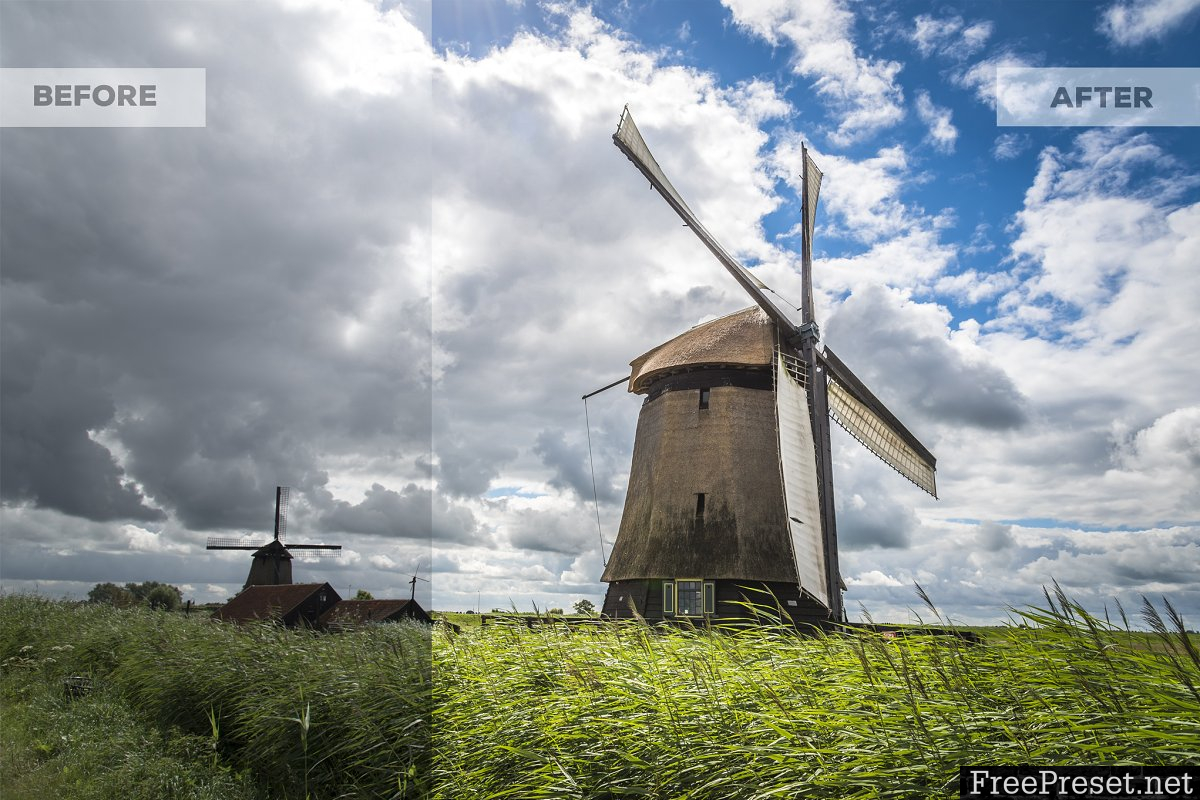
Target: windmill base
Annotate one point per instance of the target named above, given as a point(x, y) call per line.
point(754, 602)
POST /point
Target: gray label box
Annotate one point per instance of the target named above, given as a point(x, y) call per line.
point(103, 97)
point(1096, 96)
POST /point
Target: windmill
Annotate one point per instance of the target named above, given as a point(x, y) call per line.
point(272, 564)
point(731, 485)
point(412, 582)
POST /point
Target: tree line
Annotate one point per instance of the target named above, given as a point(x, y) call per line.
point(149, 593)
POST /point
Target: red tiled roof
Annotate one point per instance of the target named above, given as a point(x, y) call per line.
point(269, 602)
point(358, 611)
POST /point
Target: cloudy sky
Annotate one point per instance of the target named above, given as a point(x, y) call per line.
point(404, 246)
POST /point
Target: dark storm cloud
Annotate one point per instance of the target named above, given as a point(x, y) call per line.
point(898, 359)
point(412, 513)
point(467, 468)
point(229, 308)
point(50, 402)
point(993, 536)
point(92, 568)
point(570, 464)
point(878, 522)
point(550, 532)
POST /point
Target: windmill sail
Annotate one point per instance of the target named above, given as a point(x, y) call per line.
point(630, 142)
point(865, 418)
point(808, 207)
point(812, 188)
point(797, 457)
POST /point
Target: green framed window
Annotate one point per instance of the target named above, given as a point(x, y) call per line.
point(689, 597)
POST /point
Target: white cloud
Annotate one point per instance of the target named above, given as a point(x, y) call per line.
point(972, 286)
point(1138, 21)
point(1090, 236)
point(942, 132)
point(949, 37)
point(1009, 145)
point(862, 91)
point(980, 77)
point(148, 541)
point(1168, 448)
point(873, 578)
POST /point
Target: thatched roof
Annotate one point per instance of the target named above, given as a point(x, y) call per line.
point(742, 339)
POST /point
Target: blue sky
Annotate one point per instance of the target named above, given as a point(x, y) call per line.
point(966, 178)
point(404, 247)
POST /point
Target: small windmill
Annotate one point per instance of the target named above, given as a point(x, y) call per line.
point(731, 486)
point(412, 582)
point(272, 564)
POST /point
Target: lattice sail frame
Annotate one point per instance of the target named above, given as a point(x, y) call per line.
point(879, 437)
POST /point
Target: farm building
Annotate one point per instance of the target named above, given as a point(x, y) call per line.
point(314, 605)
point(349, 613)
point(292, 604)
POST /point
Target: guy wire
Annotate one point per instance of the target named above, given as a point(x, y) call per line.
point(595, 495)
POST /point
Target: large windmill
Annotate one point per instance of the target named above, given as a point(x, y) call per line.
point(731, 487)
point(272, 564)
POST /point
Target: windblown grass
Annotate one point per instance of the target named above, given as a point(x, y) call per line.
point(305, 715)
point(97, 747)
point(617, 710)
point(623, 711)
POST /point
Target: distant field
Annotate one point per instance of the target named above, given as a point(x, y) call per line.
point(550, 712)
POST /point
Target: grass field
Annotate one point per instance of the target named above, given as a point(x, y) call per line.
point(588, 712)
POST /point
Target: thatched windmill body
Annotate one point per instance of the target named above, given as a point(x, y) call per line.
point(272, 562)
point(731, 487)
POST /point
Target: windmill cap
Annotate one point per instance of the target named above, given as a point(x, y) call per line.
point(273, 549)
point(743, 339)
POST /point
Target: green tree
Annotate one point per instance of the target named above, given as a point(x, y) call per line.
point(166, 598)
point(585, 607)
point(363, 594)
point(111, 594)
point(155, 594)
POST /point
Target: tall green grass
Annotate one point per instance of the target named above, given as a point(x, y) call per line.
point(304, 714)
point(97, 747)
point(624, 710)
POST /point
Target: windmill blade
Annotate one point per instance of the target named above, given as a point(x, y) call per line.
point(629, 140)
point(808, 207)
point(282, 493)
point(230, 543)
point(316, 550)
point(797, 462)
point(864, 417)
